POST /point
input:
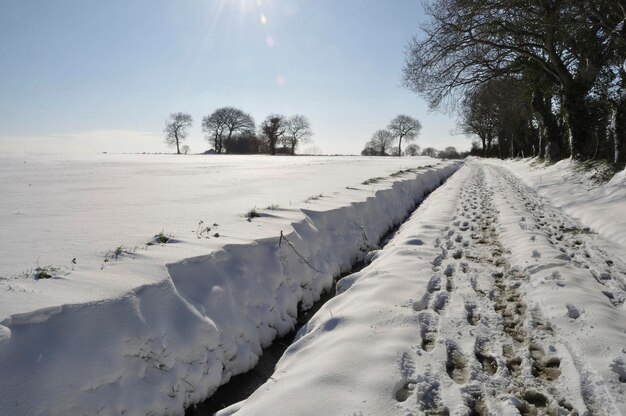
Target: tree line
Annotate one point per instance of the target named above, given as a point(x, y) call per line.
point(527, 77)
point(383, 141)
point(231, 130)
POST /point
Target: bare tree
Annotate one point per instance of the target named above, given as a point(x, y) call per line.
point(176, 129)
point(412, 150)
point(469, 42)
point(404, 127)
point(223, 123)
point(381, 142)
point(272, 130)
point(430, 151)
point(298, 131)
point(478, 115)
point(449, 152)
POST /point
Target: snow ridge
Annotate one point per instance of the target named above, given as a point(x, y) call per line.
point(163, 346)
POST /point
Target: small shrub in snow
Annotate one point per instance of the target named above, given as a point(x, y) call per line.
point(253, 213)
point(314, 198)
point(160, 238)
point(46, 272)
point(272, 207)
point(49, 272)
point(117, 252)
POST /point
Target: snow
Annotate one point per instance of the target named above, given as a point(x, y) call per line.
point(153, 329)
point(491, 299)
point(83, 208)
point(504, 293)
point(600, 207)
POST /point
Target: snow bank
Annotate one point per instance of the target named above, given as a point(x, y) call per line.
point(189, 326)
point(598, 207)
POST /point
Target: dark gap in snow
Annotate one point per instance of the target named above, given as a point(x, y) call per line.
point(241, 386)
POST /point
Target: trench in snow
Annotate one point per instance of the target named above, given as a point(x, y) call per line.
point(243, 385)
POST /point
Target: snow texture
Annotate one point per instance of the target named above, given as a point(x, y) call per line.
point(155, 329)
point(489, 300)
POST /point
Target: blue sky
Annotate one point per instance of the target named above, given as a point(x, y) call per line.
point(92, 76)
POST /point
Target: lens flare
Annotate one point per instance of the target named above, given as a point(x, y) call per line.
point(269, 40)
point(263, 19)
point(280, 80)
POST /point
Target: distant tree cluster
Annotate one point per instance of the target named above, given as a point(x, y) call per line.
point(542, 78)
point(231, 130)
point(383, 142)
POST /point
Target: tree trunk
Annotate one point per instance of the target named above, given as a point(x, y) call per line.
point(400, 146)
point(541, 105)
point(577, 119)
point(293, 148)
point(177, 147)
point(272, 146)
point(619, 135)
point(542, 132)
point(618, 122)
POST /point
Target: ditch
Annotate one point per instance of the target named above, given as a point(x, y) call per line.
point(243, 385)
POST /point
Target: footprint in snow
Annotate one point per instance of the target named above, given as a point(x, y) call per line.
point(473, 316)
point(428, 392)
point(482, 351)
point(429, 324)
point(441, 301)
point(456, 364)
point(544, 367)
point(420, 305)
point(572, 311)
point(615, 300)
point(474, 399)
point(407, 366)
point(618, 366)
point(434, 284)
point(404, 390)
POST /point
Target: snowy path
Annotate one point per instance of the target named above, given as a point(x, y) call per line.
point(488, 301)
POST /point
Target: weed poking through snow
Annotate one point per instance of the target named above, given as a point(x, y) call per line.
point(49, 271)
point(116, 253)
point(253, 213)
point(160, 238)
point(204, 231)
point(313, 198)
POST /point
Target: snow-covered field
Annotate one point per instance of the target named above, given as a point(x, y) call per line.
point(489, 300)
point(123, 327)
point(55, 209)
